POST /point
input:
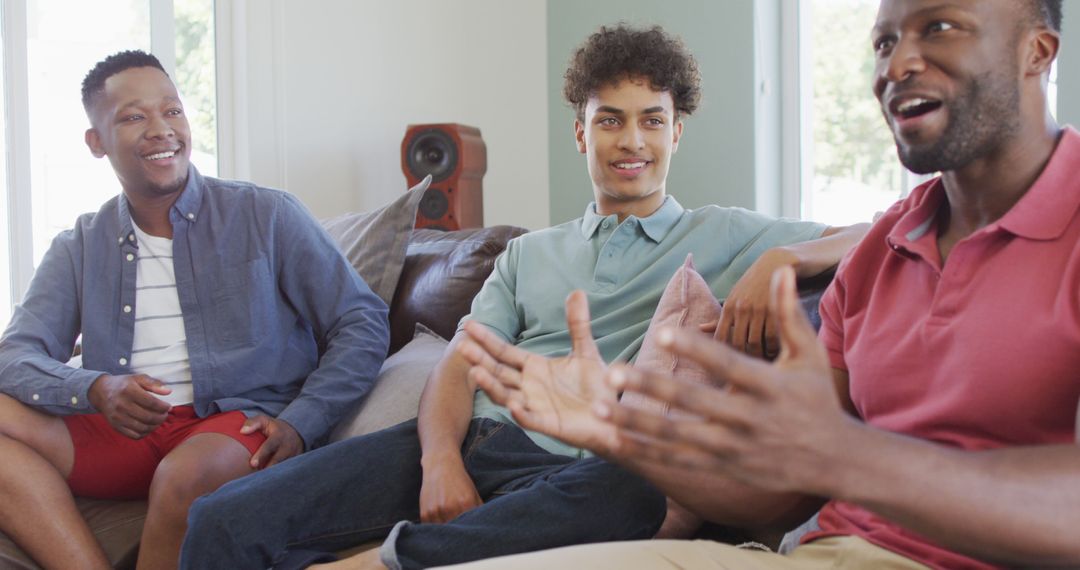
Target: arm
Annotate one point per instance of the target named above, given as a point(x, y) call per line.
point(347, 318)
point(783, 429)
point(745, 321)
point(446, 407)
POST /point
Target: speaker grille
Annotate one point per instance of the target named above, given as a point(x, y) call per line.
point(434, 204)
point(432, 152)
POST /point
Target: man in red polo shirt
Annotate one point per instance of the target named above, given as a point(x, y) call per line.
point(952, 331)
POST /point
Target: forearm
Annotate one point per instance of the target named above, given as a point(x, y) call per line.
point(722, 500)
point(1026, 500)
point(814, 257)
point(446, 407)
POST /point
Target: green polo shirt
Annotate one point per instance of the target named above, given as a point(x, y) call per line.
point(623, 269)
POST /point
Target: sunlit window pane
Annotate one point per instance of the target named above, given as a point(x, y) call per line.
point(855, 168)
point(195, 78)
point(5, 227)
point(65, 38)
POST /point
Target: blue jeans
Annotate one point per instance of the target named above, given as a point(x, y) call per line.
point(363, 488)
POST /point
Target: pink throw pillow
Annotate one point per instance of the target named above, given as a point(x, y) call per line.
point(687, 302)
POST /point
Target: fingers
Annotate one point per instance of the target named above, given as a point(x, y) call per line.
point(797, 337)
point(152, 385)
point(668, 454)
point(495, 389)
point(265, 453)
point(577, 319)
point(495, 347)
point(727, 320)
point(772, 340)
point(710, 327)
point(479, 358)
point(702, 400)
point(755, 336)
point(254, 424)
point(722, 363)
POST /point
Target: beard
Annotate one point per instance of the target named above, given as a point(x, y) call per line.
point(982, 118)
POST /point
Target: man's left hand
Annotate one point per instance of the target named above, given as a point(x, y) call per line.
point(282, 441)
point(746, 322)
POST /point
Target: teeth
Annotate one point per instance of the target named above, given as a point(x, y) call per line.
point(910, 104)
point(161, 155)
point(630, 165)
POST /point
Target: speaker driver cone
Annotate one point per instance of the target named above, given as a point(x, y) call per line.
point(434, 204)
point(432, 152)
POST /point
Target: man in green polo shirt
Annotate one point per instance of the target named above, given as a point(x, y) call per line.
point(464, 482)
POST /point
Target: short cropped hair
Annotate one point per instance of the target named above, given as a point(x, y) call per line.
point(1046, 12)
point(94, 82)
point(616, 53)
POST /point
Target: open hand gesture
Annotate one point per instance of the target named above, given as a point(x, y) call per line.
point(555, 396)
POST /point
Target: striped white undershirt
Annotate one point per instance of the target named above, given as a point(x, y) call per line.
point(159, 348)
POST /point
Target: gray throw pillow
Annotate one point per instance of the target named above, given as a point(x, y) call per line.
point(396, 396)
point(375, 242)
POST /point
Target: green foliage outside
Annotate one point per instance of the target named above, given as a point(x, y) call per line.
point(851, 141)
point(195, 70)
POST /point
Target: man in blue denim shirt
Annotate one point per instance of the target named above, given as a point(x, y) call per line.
point(222, 332)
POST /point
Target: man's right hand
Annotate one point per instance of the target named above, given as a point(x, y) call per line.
point(446, 491)
point(129, 404)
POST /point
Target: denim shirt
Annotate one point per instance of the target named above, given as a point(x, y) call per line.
point(277, 321)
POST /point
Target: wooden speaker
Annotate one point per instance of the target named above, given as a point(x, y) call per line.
point(456, 158)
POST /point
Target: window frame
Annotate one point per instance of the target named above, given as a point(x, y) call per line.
point(15, 67)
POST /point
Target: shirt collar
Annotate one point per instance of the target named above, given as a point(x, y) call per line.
point(656, 226)
point(1043, 213)
point(186, 206)
point(1046, 210)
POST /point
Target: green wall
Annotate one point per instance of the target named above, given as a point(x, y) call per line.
point(715, 161)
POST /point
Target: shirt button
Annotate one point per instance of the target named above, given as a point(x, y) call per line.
point(123, 361)
point(36, 397)
point(131, 237)
point(120, 240)
point(190, 216)
point(605, 225)
point(74, 401)
point(127, 308)
point(131, 257)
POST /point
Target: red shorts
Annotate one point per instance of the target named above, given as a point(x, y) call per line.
point(110, 465)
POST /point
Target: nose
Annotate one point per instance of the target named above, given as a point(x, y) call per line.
point(632, 137)
point(902, 62)
point(159, 127)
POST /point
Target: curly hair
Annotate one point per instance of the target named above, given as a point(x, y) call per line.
point(613, 54)
point(94, 82)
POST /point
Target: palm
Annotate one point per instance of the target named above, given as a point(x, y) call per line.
point(558, 396)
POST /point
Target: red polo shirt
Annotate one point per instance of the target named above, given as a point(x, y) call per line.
point(981, 354)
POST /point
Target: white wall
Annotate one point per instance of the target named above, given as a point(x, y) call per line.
point(331, 85)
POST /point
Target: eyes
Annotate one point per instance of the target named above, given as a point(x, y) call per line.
point(136, 117)
point(886, 42)
point(648, 122)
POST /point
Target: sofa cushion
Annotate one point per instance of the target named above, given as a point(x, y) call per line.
point(375, 242)
point(443, 271)
point(396, 395)
point(117, 525)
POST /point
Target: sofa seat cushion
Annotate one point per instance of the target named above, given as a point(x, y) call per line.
point(117, 525)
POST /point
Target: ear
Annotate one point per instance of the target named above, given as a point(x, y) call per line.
point(675, 136)
point(93, 140)
point(579, 136)
point(1041, 51)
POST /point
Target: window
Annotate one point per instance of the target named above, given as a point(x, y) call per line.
point(58, 41)
point(852, 170)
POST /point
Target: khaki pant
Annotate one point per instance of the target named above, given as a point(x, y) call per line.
point(834, 553)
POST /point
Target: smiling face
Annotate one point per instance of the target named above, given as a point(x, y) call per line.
point(139, 123)
point(628, 135)
point(948, 79)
